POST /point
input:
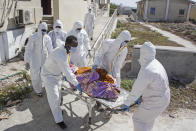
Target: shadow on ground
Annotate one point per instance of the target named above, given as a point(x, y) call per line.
point(40, 117)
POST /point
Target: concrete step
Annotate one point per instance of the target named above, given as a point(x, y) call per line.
point(47, 17)
point(48, 21)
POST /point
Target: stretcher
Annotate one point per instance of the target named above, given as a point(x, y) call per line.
point(110, 106)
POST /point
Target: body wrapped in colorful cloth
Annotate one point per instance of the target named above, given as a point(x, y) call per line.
point(98, 84)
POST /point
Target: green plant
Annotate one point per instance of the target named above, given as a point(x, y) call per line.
point(16, 91)
point(113, 7)
point(127, 84)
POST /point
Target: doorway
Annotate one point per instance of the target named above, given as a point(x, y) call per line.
point(46, 5)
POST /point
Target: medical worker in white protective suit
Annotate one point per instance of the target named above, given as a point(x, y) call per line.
point(36, 52)
point(112, 54)
point(89, 23)
point(57, 33)
point(55, 67)
point(95, 7)
point(79, 53)
point(152, 84)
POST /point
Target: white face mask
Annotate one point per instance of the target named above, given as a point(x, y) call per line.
point(123, 44)
point(57, 30)
point(78, 31)
point(44, 33)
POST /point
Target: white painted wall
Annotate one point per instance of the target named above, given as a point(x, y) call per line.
point(11, 42)
point(70, 11)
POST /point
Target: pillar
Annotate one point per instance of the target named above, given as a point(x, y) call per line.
point(146, 11)
point(167, 10)
point(189, 11)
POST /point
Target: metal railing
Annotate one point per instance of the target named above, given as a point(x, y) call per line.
point(106, 33)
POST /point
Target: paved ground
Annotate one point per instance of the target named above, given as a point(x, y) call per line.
point(172, 37)
point(34, 115)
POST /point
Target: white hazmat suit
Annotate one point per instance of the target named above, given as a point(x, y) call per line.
point(57, 33)
point(36, 52)
point(95, 8)
point(54, 67)
point(79, 53)
point(89, 23)
point(112, 54)
point(152, 84)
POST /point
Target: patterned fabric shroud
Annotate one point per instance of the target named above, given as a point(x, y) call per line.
point(96, 84)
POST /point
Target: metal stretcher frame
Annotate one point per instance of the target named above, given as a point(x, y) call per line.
point(89, 100)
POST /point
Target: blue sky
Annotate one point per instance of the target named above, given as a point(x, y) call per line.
point(131, 3)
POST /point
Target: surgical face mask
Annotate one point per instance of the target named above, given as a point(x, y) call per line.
point(57, 30)
point(124, 43)
point(78, 30)
point(44, 32)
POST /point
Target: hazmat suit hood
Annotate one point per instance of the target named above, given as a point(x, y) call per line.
point(58, 23)
point(147, 53)
point(42, 26)
point(77, 25)
point(124, 36)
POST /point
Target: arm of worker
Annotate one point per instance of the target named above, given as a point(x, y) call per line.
point(139, 86)
point(118, 65)
point(64, 35)
point(86, 42)
point(101, 52)
point(93, 21)
point(85, 20)
point(28, 51)
point(49, 45)
point(66, 70)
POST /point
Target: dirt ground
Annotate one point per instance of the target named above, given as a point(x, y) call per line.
point(186, 30)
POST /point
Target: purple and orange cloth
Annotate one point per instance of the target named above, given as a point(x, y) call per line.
point(98, 84)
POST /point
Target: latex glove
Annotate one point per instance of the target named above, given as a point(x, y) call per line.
point(94, 67)
point(125, 108)
point(64, 78)
point(139, 100)
point(27, 66)
point(79, 88)
point(89, 53)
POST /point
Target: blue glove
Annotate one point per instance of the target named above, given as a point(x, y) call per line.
point(94, 67)
point(79, 88)
point(64, 78)
point(139, 100)
point(125, 108)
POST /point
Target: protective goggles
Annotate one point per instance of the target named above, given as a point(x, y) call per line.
point(43, 30)
point(58, 27)
point(79, 29)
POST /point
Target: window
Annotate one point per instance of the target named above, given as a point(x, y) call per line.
point(152, 11)
point(181, 12)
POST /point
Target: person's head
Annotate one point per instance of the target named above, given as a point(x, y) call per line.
point(89, 9)
point(58, 26)
point(78, 26)
point(43, 28)
point(124, 37)
point(147, 53)
point(71, 41)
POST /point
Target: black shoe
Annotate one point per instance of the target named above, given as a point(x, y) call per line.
point(61, 103)
point(98, 107)
point(62, 125)
point(39, 94)
point(91, 38)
